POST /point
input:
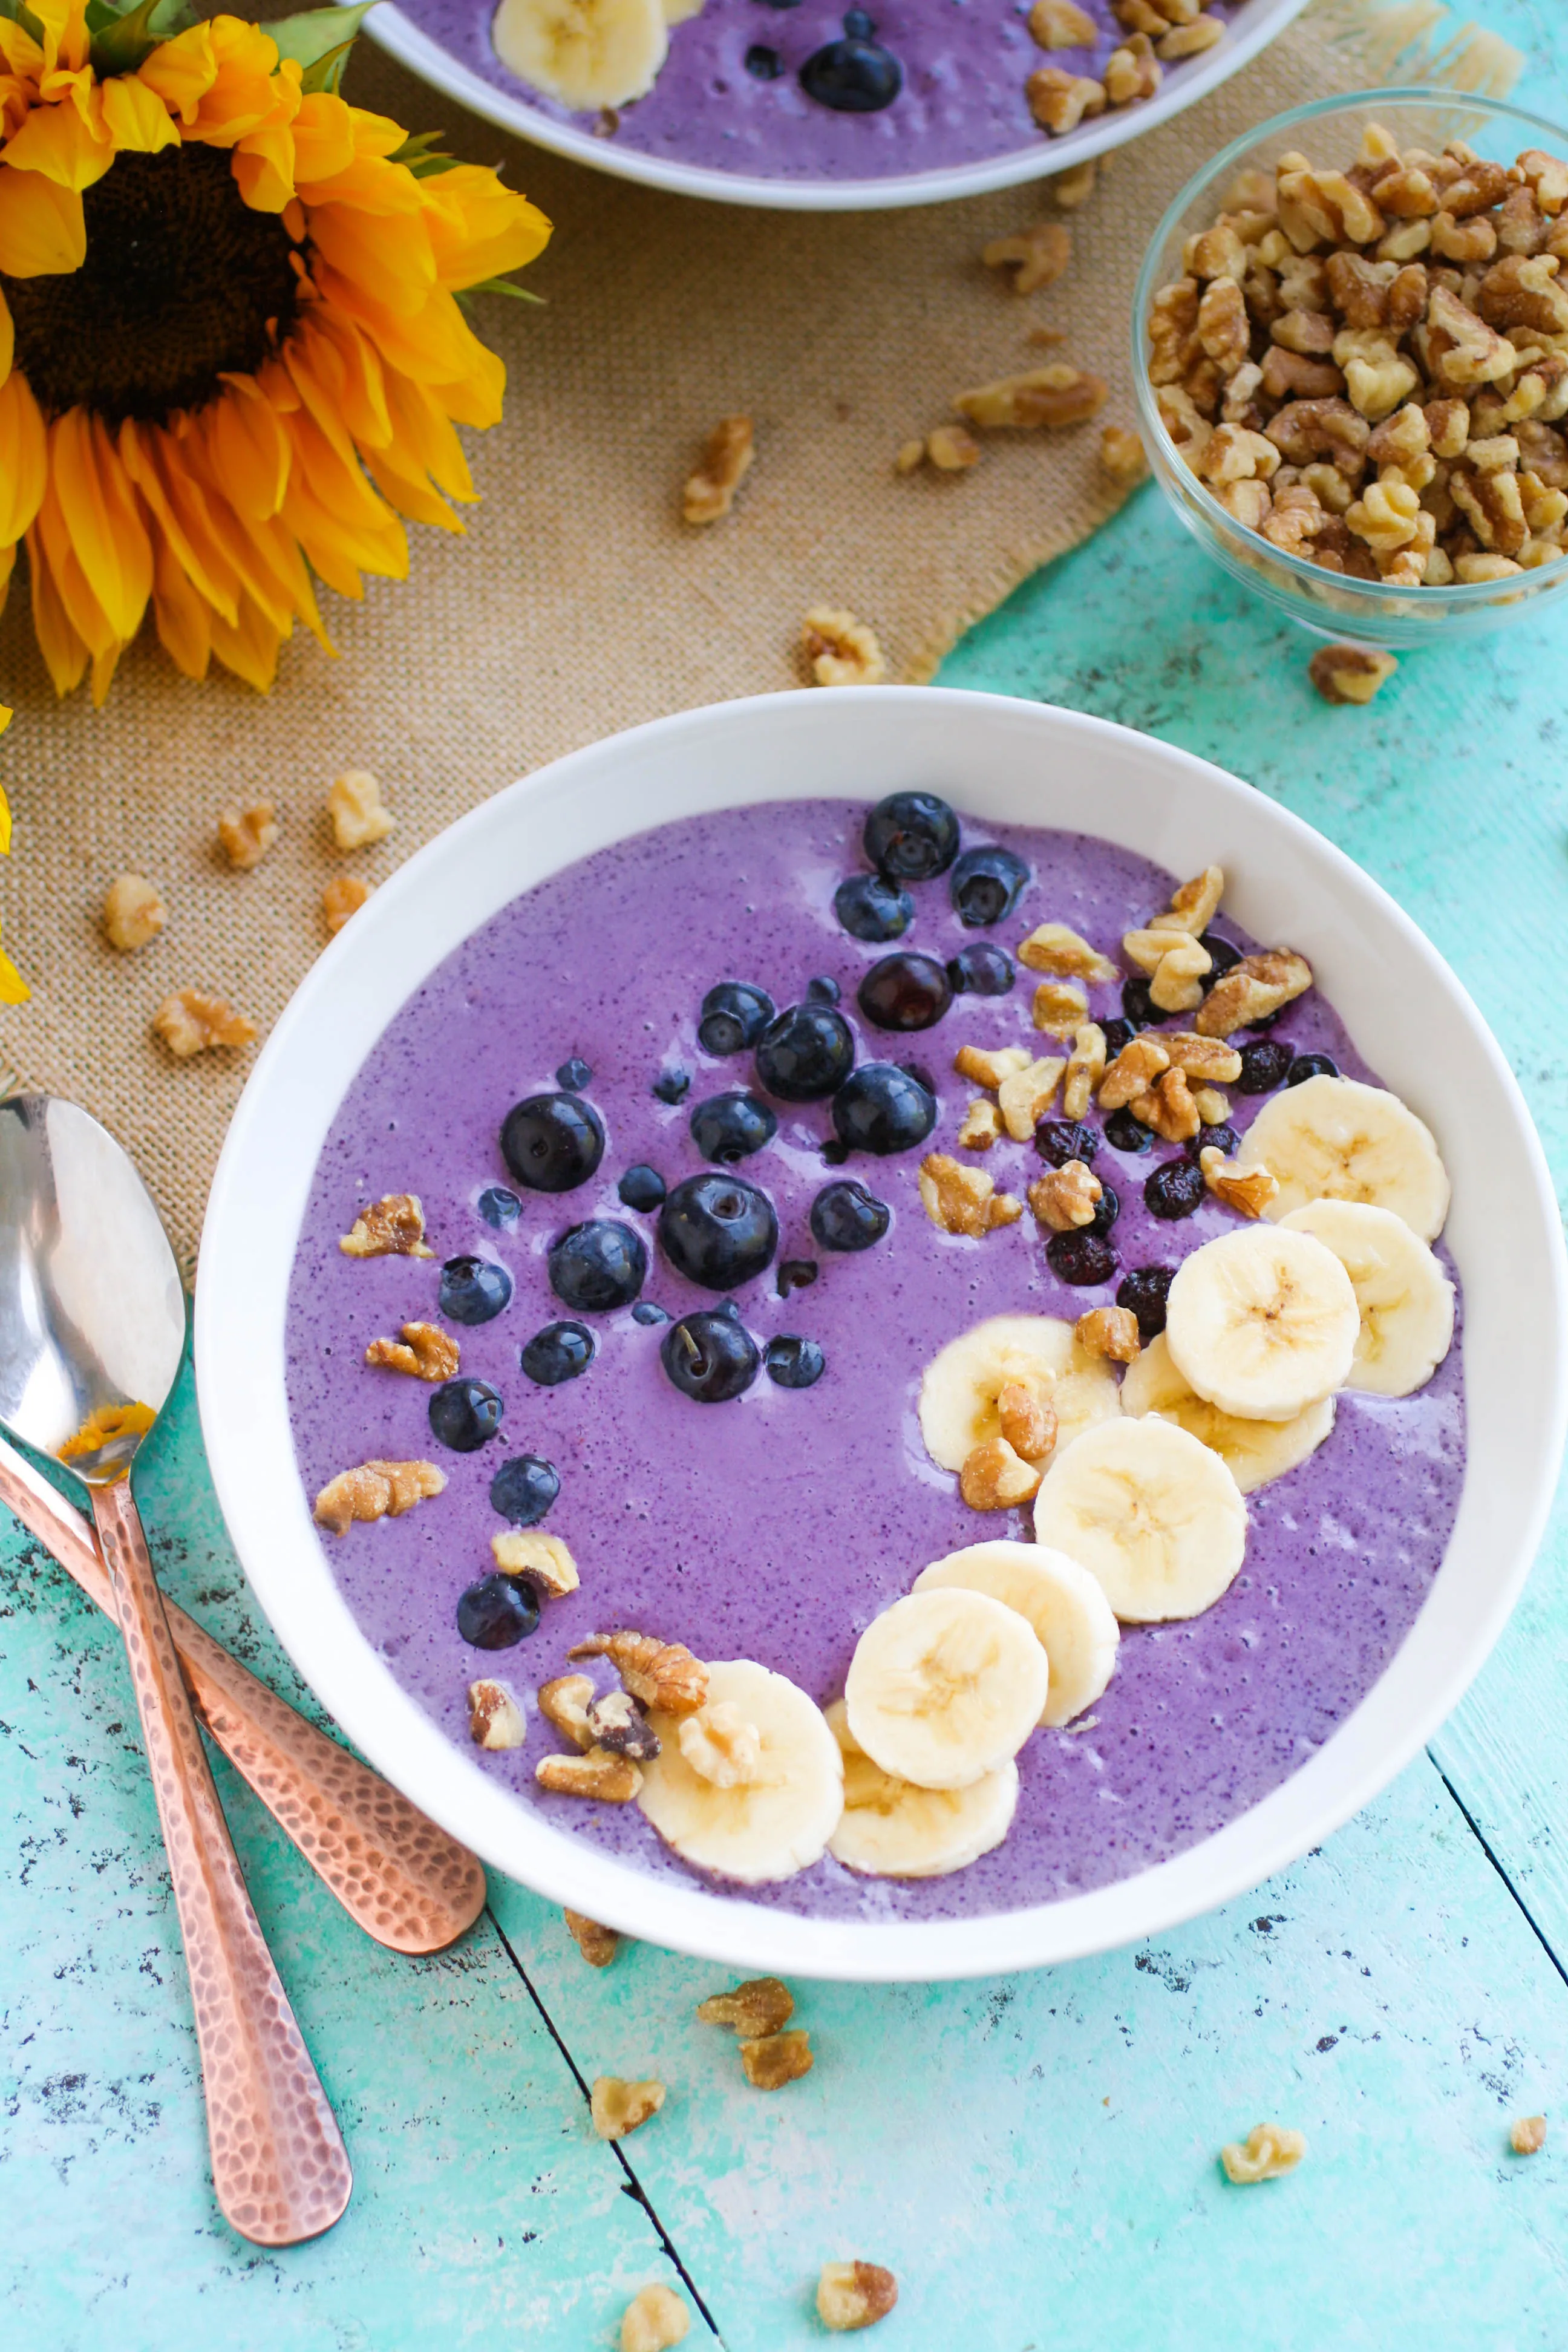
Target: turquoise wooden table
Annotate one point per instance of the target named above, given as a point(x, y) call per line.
point(1034, 2156)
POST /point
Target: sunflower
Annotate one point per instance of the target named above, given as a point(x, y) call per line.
point(233, 351)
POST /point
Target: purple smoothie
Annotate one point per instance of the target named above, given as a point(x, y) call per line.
point(776, 1525)
point(962, 100)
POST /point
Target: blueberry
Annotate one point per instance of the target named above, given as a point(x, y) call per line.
point(523, 1489)
point(823, 989)
point(834, 1152)
point(734, 1015)
point(498, 1207)
point(765, 63)
point(1138, 1005)
point(796, 1273)
point(717, 1231)
point(793, 1363)
point(845, 1216)
point(574, 1075)
point(553, 1142)
point(980, 971)
point(710, 1356)
point(1224, 1138)
point(597, 1266)
point(985, 885)
point(853, 77)
point(1082, 1257)
point(729, 1127)
point(645, 1311)
point(1107, 1209)
point(465, 1414)
point(1265, 1064)
point(911, 837)
point(1222, 955)
point(905, 992)
point(1310, 1065)
point(1125, 1133)
point(871, 909)
point(882, 1108)
point(859, 26)
point(805, 1053)
point(497, 1612)
point(1174, 1190)
point(641, 1187)
point(1061, 1139)
point(1144, 1291)
point(672, 1086)
point(560, 1352)
point(1117, 1034)
point(473, 1289)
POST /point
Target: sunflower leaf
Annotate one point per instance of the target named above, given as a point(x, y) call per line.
point(122, 37)
point(320, 40)
point(20, 14)
point(419, 154)
point(498, 286)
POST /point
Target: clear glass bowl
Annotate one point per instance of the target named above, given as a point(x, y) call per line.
point(1366, 612)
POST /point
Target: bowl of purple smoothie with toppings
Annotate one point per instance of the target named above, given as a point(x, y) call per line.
point(735, 1206)
point(786, 103)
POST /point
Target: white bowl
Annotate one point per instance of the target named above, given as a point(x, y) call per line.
point(1009, 762)
point(1261, 22)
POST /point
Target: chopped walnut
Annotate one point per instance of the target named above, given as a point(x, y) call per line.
point(663, 1675)
point(1074, 188)
point(495, 1718)
point(133, 913)
point(726, 460)
point(1190, 40)
point(982, 1126)
point(1086, 1068)
point(1053, 947)
point(1248, 1189)
point(1214, 1108)
point(1201, 1057)
point(1132, 74)
point(247, 835)
point(1025, 1097)
point(960, 1199)
point(344, 896)
point(425, 1351)
point(1527, 2135)
point(1268, 2153)
point(189, 1023)
point(376, 1490)
point(912, 454)
point(619, 1727)
point(598, 1945)
point(951, 450)
point(607, 1779)
point(1224, 332)
point(1059, 101)
point(1062, 25)
point(1257, 985)
point(620, 2108)
point(1177, 984)
point(1133, 1072)
point(1065, 1198)
point(771, 2060)
point(1195, 904)
point(762, 2007)
point(1054, 396)
point(1060, 1008)
point(854, 2295)
point(1111, 1331)
point(988, 1068)
point(1350, 673)
point(1168, 1107)
point(393, 1226)
point(1037, 257)
point(995, 1477)
point(654, 2320)
point(544, 1559)
point(1122, 455)
point(720, 1746)
point(1027, 1423)
point(841, 650)
point(359, 815)
point(564, 1702)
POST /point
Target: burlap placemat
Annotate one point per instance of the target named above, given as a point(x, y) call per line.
point(578, 603)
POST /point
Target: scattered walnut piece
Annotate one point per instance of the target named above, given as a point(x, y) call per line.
point(1027, 1423)
point(1074, 188)
point(663, 1675)
point(1527, 2135)
point(841, 650)
point(608, 1779)
point(982, 1126)
point(1059, 101)
point(772, 2060)
point(1268, 2153)
point(1122, 455)
point(989, 1068)
point(564, 1702)
point(1201, 1057)
point(996, 1478)
point(1132, 75)
point(1248, 1189)
point(912, 454)
point(1054, 396)
point(654, 2320)
point(1168, 1107)
point(1062, 25)
point(619, 1725)
point(1195, 906)
point(960, 1199)
point(1065, 1198)
point(619, 2107)
point(247, 835)
point(358, 812)
point(190, 1023)
point(344, 896)
point(1086, 1068)
point(1060, 1008)
point(726, 460)
point(1190, 40)
point(598, 1945)
point(1214, 1108)
point(393, 1226)
point(495, 1718)
point(1257, 985)
point(376, 1490)
point(1024, 1097)
point(1109, 1331)
point(133, 913)
point(951, 450)
point(1053, 947)
point(425, 1351)
point(545, 1559)
point(1133, 1072)
point(762, 2007)
point(1350, 673)
point(1037, 257)
point(854, 2295)
point(720, 1746)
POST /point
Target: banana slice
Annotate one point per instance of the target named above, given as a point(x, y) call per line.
point(944, 1687)
point(1406, 1301)
point(1335, 1139)
point(1262, 1322)
point(1254, 1451)
point(891, 1829)
point(1152, 1514)
point(1072, 1618)
point(766, 1827)
point(585, 53)
point(960, 1386)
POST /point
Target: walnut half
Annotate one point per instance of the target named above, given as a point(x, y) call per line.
point(1350, 673)
point(376, 1490)
point(854, 2295)
point(1268, 2153)
point(393, 1226)
point(663, 1675)
point(495, 1718)
point(190, 1023)
point(839, 649)
point(607, 1779)
point(598, 1945)
point(425, 1351)
point(133, 913)
point(727, 455)
point(962, 1200)
point(1054, 396)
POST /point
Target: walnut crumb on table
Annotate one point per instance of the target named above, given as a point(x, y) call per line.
point(771, 2060)
point(654, 2320)
point(191, 1022)
point(1122, 455)
point(1527, 2135)
point(358, 812)
point(598, 1945)
point(763, 2006)
point(1269, 2152)
point(620, 2108)
point(1350, 673)
point(1035, 257)
point(727, 455)
point(133, 913)
point(344, 896)
point(839, 649)
point(854, 2295)
point(245, 835)
point(1073, 189)
point(1054, 396)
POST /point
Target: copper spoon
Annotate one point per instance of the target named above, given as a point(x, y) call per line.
point(398, 1876)
point(92, 1329)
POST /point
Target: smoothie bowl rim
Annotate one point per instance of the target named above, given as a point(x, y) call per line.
point(857, 742)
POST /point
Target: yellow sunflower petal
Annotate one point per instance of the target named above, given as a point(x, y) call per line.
point(336, 480)
point(408, 490)
point(107, 532)
point(251, 446)
point(182, 615)
point(182, 71)
point(23, 461)
point(264, 168)
point(369, 184)
point(19, 53)
point(245, 89)
point(42, 232)
point(391, 261)
point(7, 565)
point(57, 143)
point(358, 378)
point(479, 229)
point(323, 137)
point(64, 24)
point(251, 649)
point(475, 398)
point(179, 514)
point(8, 337)
point(104, 666)
point(136, 117)
point(13, 989)
point(65, 654)
point(375, 134)
point(422, 428)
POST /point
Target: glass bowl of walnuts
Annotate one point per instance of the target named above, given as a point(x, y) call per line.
point(1351, 353)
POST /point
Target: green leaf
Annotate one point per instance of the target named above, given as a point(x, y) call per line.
point(122, 37)
point(320, 40)
point(500, 285)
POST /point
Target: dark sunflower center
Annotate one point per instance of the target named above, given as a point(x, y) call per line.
point(182, 280)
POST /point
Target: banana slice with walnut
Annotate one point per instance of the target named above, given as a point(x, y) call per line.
point(1336, 1140)
point(750, 1783)
point(962, 1385)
